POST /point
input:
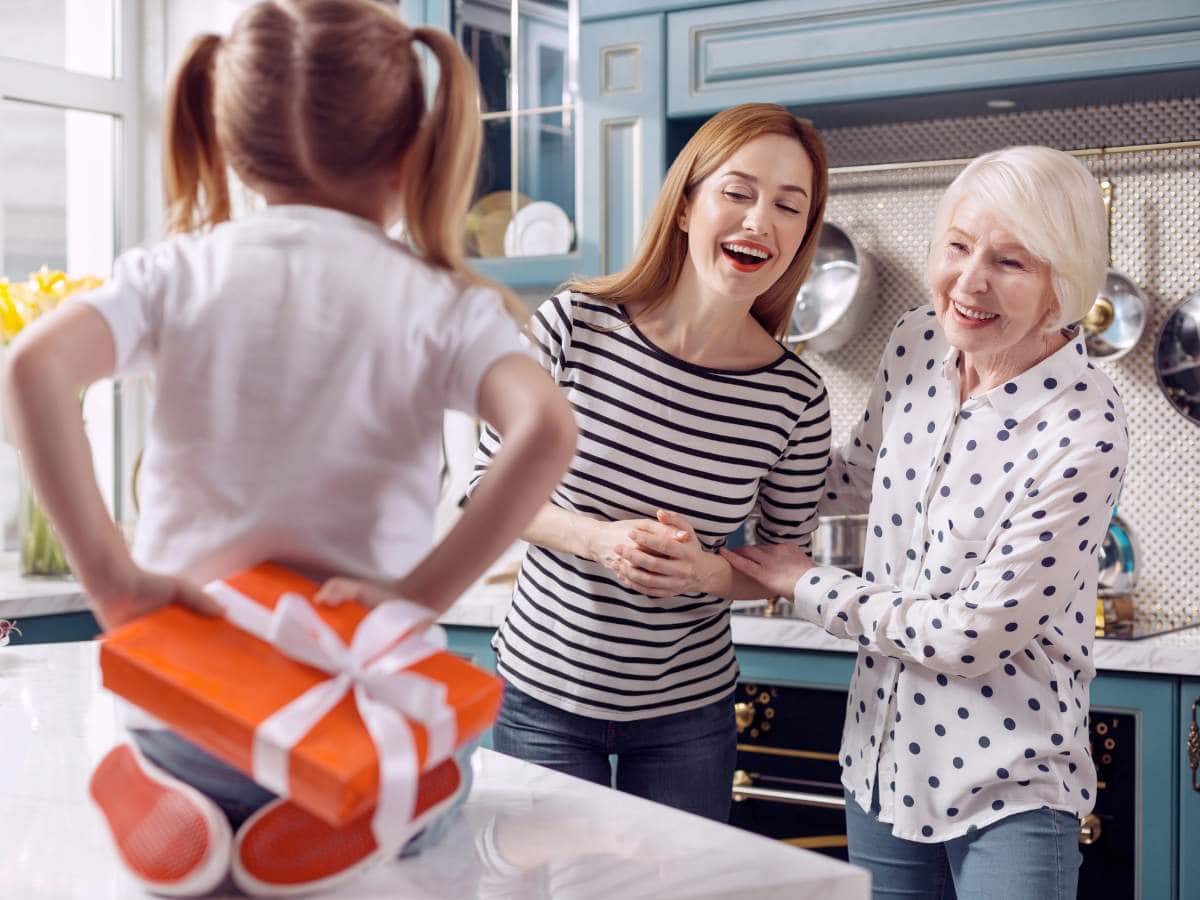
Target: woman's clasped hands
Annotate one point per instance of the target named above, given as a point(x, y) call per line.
point(658, 557)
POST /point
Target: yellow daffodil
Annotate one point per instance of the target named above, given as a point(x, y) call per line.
point(22, 302)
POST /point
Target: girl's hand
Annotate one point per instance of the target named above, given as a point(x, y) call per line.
point(777, 567)
point(667, 559)
point(140, 592)
point(342, 590)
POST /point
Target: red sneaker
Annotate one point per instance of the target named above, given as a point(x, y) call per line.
point(283, 850)
point(172, 838)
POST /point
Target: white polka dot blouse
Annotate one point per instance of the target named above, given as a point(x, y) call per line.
point(976, 606)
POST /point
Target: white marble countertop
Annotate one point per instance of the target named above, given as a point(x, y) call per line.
point(1175, 653)
point(525, 832)
point(21, 596)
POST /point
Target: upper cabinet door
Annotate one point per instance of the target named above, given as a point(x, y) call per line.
point(819, 51)
point(624, 119)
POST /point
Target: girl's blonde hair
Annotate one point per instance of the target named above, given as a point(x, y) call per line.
point(658, 261)
point(310, 95)
point(1052, 205)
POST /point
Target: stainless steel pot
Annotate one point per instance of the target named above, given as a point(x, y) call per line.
point(1177, 358)
point(840, 541)
point(833, 303)
point(1117, 319)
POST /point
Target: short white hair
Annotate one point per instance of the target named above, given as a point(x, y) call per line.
point(1051, 204)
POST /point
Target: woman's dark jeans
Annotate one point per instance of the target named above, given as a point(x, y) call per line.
point(685, 760)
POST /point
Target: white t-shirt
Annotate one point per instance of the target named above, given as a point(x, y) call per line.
point(302, 361)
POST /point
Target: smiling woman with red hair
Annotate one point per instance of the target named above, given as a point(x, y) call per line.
point(693, 419)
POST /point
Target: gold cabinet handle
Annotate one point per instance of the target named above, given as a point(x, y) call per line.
point(1089, 829)
point(1193, 746)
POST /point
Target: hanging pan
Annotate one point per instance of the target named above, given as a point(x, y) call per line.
point(833, 303)
point(1118, 316)
point(1177, 358)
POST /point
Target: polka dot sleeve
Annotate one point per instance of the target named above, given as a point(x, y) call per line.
point(1025, 581)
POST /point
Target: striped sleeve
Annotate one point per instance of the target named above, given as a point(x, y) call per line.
point(655, 432)
point(549, 333)
point(788, 494)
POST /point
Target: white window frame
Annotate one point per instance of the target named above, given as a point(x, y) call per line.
point(120, 97)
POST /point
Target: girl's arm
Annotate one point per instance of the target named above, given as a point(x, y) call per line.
point(48, 366)
point(538, 428)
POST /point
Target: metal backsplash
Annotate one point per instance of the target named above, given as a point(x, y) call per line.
point(1156, 242)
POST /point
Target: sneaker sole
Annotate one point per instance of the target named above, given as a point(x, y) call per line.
point(438, 790)
point(127, 789)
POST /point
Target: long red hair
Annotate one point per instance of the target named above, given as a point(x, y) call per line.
point(658, 261)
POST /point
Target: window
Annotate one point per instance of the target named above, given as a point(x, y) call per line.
point(523, 50)
point(69, 183)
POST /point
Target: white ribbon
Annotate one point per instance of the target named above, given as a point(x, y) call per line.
point(387, 641)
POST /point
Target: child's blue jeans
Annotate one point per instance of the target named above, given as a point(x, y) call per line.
point(239, 797)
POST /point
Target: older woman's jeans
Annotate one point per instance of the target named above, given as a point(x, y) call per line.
point(1031, 855)
point(685, 760)
point(239, 797)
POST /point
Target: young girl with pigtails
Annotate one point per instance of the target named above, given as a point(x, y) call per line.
point(302, 361)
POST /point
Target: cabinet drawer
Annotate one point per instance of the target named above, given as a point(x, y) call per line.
point(801, 52)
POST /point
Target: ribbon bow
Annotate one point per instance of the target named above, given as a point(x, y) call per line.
point(386, 642)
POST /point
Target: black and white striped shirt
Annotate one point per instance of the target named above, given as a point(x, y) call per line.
point(655, 432)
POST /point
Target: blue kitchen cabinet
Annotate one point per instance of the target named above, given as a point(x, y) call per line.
point(1188, 768)
point(473, 644)
point(623, 134)
point(1151, 700)
point(591, 10)
point(56, 628)
point(654, 69)
point(810, 52)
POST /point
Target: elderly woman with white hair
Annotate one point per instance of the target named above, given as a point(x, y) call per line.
point(989, 459)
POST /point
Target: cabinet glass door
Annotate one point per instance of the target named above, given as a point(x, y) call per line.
point(525, 196)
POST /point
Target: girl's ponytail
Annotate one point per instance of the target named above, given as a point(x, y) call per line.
point(441, 164)
point(444, 157)
point(194, 179)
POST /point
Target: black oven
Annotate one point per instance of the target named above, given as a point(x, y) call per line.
point(788, 783)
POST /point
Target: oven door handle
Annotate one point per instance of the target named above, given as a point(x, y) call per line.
point(745, 789)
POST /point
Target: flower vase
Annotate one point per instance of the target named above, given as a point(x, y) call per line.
point(41, 552)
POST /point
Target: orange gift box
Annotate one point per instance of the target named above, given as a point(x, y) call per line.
point(214, 684)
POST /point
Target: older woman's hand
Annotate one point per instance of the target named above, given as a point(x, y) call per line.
point(777, 567)
point(667, 559)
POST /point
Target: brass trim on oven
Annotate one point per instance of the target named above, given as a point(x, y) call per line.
point(784, 751)
point(817, 842)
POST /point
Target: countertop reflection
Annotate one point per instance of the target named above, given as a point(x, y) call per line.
point(525, 832)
